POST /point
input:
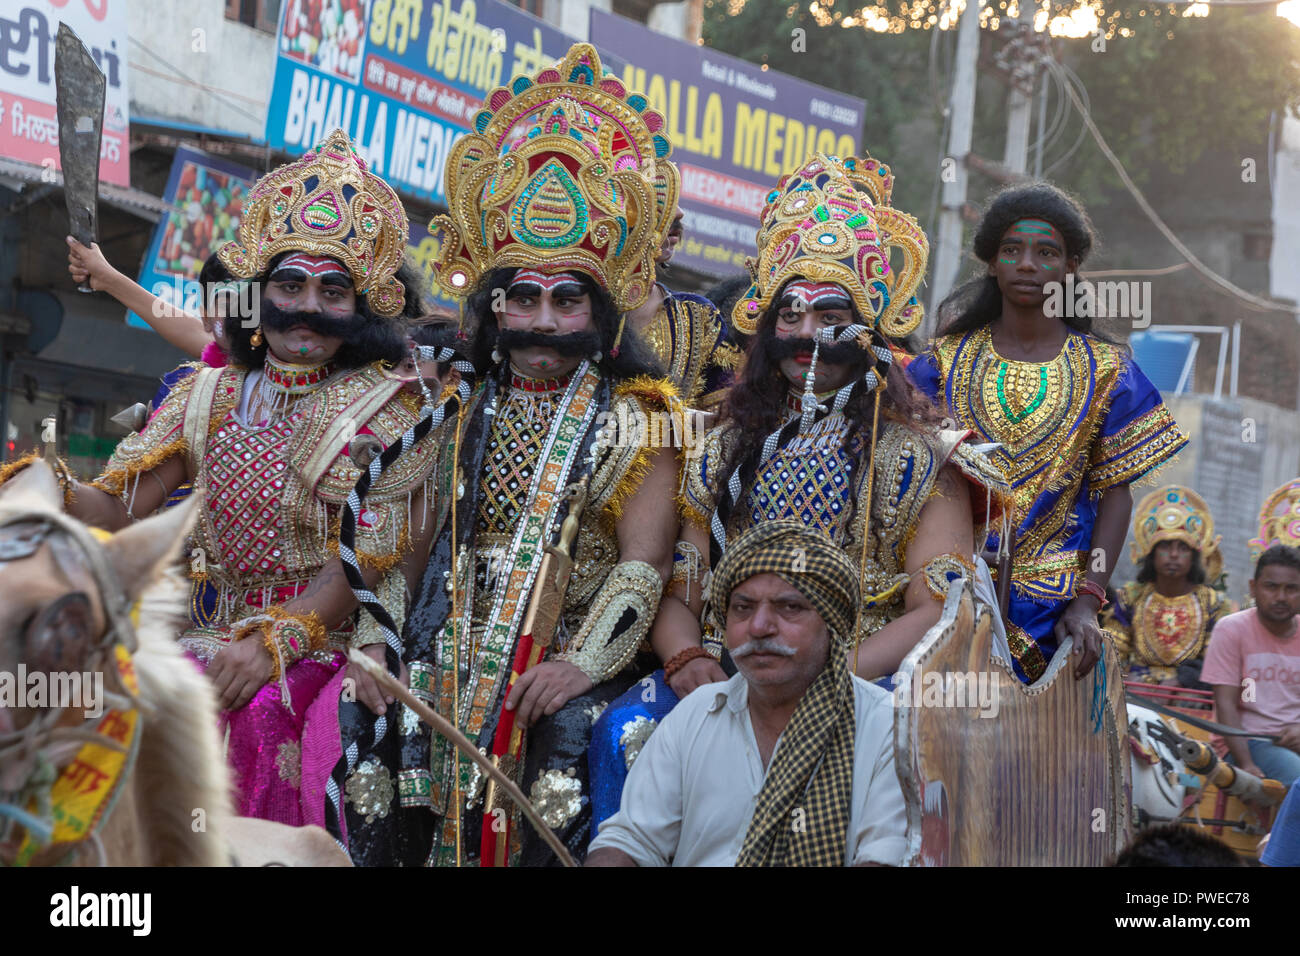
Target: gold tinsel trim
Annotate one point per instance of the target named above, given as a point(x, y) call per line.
point(114, 482)
point(652, 394)
point(317, 636)
point(382, 563)
point(7, 471)
point(728, 356)
point(690, 513)
point(658, 392)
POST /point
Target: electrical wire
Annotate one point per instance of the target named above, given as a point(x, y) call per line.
point(198, 85)
point(1072, 78)
point(1250, 300)
point(1060, 118)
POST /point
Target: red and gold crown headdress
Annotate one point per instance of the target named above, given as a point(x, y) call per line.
point(560, 172)
point(327, 203)
point(830, 221)
point(1175, 513)
point(1279, 520)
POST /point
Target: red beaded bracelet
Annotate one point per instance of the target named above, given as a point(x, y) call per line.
point(1096, 590)
point(681, 659)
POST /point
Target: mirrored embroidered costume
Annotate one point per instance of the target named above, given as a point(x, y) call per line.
point(1153, 634)
point(688, 333)
point(558, 176)
point(273, 489)
point(829, 221)
point(1069, 429)
point(693, 344)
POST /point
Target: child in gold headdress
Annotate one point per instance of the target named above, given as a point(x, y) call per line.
point(1161, 622)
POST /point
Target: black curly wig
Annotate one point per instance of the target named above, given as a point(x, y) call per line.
point(756, 403)
point(978, 302)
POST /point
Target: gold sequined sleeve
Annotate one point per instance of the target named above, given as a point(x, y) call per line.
point(1137, 435)
point(392, 508)
point(697, 500)
point(642, 420)
point(391, 592)
point(161, 439)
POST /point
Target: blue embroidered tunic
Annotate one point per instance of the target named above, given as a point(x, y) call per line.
point(1069, 429)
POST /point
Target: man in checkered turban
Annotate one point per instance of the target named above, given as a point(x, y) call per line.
point(828, 794)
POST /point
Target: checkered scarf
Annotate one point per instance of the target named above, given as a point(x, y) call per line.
point(801, 816)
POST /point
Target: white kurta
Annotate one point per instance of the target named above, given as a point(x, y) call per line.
point(690, 794)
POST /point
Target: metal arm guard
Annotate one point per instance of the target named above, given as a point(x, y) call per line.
point(618, 621)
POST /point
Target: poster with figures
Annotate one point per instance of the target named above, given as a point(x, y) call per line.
point(206, 194)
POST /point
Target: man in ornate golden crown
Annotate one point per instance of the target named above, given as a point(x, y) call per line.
point(819, 427)
point(550, 240)
point(268, 441)
point(1161, 622)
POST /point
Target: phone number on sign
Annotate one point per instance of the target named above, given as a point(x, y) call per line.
point(836, 114)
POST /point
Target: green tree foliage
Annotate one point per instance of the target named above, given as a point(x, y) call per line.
point(1162, 96)
point(1179, 87)
point(889, 72)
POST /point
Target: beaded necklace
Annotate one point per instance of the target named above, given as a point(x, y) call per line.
point(282, 385)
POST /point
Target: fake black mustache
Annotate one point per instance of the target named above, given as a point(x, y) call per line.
point(839, 353)
point(569, 344)
point(330, 326)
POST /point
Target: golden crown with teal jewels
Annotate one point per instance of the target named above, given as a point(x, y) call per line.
point(564, 170)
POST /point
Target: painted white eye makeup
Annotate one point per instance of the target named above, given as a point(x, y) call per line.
point(313, 267)
point(546, 282)
point(816, 295)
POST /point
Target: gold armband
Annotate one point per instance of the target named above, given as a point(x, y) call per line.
point(288, 638)
point(942, 570)
point(608, 639)
point(687, 566)
point(391, 592)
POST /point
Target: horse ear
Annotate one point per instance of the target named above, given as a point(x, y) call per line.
point(139, 551)
point(33, 487)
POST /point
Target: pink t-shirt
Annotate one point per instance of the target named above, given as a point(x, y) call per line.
point(1241, 648)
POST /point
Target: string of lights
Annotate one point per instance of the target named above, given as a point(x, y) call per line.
point(1073, 19)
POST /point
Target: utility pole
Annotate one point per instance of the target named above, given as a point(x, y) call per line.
point(961, 106)
point(1042, 122)
point(1019, 95)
